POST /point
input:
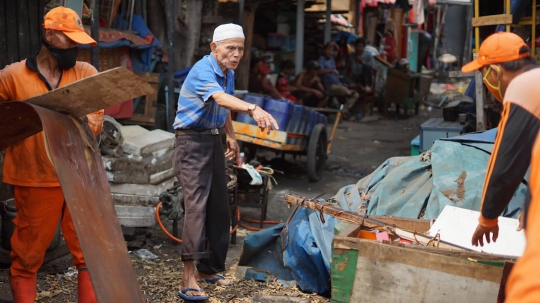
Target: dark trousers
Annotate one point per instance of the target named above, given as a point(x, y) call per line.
point(199, 162)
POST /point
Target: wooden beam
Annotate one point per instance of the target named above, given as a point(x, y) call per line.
point(492, 20)
point(365, 220)
point(248, 19)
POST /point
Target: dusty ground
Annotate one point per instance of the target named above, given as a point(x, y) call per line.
point(359, 147)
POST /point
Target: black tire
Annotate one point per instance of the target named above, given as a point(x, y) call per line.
point(316, 154)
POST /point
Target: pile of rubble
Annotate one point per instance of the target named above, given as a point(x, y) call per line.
point(139, 169)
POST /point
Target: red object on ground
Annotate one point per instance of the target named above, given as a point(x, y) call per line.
point(404, 241)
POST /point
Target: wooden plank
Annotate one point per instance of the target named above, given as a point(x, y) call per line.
point(75, 156)
point(254, 131)
point(94, 93)
point(24, 28)
point(381, 252)
point(492, 20)
point(12, 37)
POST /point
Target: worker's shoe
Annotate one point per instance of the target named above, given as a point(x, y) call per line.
point(85, 290)
point(23, 289)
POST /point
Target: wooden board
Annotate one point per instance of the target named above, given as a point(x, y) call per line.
point(148, 117)
point(492, 20)
point(94, 93)
point(370, 271)
point(75, 156)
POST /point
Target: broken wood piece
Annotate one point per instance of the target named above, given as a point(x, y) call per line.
point(365, 220)
point(279, 299)
point(94, 93)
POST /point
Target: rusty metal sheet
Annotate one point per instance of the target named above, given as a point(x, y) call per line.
point(94, 93)
point(75, 155)
point(18, 122)
point(254, 131)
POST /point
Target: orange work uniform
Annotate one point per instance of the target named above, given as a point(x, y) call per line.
point(524, 282)
point(511, 155)
point(37, 194)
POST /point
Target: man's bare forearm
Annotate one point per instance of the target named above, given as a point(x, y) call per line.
point(231, 102)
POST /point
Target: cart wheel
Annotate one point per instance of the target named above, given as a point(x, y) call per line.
point(316, 154)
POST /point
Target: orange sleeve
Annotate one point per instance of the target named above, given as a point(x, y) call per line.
point(95, 119)
point(4, 87)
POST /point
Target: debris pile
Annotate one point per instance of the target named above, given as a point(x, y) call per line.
point(139, 168)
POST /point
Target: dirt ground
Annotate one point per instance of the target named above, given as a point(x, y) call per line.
point(358, 148)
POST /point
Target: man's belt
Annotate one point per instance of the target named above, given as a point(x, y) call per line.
point(213, 131)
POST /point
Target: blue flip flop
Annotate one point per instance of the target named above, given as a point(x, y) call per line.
point(215, 281)
point(182, 294)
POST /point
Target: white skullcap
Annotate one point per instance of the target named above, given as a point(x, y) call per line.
point(228, 31)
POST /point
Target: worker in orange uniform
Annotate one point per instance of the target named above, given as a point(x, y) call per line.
point(38, 196)
point(510, 74)
point(523, 285)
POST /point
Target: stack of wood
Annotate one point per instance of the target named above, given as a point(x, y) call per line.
point(140, 174)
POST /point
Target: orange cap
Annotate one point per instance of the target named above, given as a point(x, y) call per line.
point(68, 22)
point(497, 48)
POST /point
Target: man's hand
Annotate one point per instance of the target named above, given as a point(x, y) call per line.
point(481, 232)
point(264, 120)
point(520, 218)
point(233, 150)
point(318, 94)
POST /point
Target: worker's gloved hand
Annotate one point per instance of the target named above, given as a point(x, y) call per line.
point(482, 231)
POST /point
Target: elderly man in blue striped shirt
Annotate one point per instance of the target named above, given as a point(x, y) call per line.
point(204, 106)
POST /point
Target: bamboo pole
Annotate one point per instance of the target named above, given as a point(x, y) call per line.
point(365, 220)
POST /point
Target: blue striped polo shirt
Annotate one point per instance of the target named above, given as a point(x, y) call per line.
point(196, 107)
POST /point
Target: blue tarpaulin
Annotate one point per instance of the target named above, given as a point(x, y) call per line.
point(451, 173)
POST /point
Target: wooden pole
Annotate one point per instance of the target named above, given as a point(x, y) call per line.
point(171, 106)
point(248, 19)
point(364, 220)
point(94, 32)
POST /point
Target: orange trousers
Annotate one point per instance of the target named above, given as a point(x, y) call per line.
point(38, 213)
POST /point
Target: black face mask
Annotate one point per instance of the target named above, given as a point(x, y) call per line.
point(66, 57)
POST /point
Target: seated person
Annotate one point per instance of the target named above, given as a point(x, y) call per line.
point(331, 82)
point(258, 79)
point(309, 89)
point(360, 73)
point(282, 83)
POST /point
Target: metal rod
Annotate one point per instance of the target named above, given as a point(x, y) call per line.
point(132, 2)
point(476, 29)
point(299, 53)
point(533, 30)
point(94, 32)
point(241, 4)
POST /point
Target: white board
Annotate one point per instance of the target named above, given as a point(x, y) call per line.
point(457, 225)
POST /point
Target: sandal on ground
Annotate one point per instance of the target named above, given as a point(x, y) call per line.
point(182, 294)
point(215, 281)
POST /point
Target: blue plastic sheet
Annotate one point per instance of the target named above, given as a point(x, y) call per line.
point(299, 252)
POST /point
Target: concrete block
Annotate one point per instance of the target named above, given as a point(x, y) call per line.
point(128, 177)
point(132, 130)
point(136, 216)
point(148, 143)
point(159, 156)
point(134, 200)
point(162, 176)
point(142, 189)
point(156, 167)
point(124, 163)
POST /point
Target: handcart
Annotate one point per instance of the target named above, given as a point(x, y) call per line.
point(310, 141)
